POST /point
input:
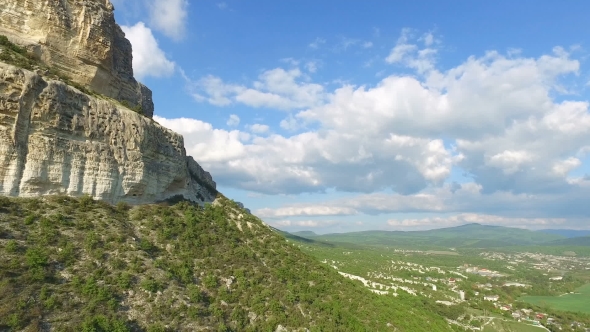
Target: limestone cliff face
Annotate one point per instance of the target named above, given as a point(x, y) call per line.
point(81, 39)
point(55, 139)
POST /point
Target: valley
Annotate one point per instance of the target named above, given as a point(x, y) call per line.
point(489, 289)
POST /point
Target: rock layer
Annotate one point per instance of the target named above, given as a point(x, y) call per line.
point(56, 140)
point(81, 39)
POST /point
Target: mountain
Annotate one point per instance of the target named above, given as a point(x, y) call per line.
point(470, 235)
point(76, 264)
point(305, 234)
point(569, 233)
point(575, 241)
point(73, 118)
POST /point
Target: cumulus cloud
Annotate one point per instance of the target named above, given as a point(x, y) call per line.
point(408, 53)
point(277, 88)
point(148, 58)
point(312, 210)
point(304, 223)
point(233, 120)
point(169, 17)
point(258, 128)
point(499, 119)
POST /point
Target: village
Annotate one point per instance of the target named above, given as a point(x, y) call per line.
point(489, 294)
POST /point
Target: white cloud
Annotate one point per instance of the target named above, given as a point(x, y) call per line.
point(304, 223)
point(290, 124)
point(510, 161)
point(410, 55)
point(259, 128)
point(277, 88)
point(562, 168)
point(498, 119)
point(295, 211)
point(428, 39)
point(148, 58)
point(222, 5)
point(367, 44)
point(399, 52)
point(311, 66)
point(169, 17)
point(233, 120)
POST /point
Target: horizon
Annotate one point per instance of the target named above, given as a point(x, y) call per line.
point(377, 116)
point(448, 227)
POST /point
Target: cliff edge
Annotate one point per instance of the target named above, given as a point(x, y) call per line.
point(55, 139)
point(94, 136)
point(80, 39)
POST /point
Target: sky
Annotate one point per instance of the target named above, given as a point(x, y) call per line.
point(377, 115)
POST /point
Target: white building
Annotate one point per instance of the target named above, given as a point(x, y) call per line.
point(492, 298)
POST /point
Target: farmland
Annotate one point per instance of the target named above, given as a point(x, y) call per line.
point(579, 301)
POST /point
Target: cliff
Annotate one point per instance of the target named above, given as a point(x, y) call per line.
point(80, 39)
point(55, 139)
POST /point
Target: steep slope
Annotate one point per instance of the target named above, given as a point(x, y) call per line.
point(70, 264)
point(55, 139)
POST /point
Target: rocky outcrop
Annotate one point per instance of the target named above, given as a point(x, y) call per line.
point(56, 140)
point(80, 39)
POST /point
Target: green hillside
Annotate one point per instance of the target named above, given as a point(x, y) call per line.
point(469, 236)
point(576, 241)
point(80, 265)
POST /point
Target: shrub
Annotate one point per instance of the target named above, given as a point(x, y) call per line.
point(103, 324)
point(4, 202)
point(151, 285)
point(36, 257)
point(12, 246)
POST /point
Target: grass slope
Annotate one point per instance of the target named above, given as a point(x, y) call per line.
point(80, 265)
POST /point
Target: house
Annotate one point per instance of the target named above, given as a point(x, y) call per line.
point(505, 308)
point(556, 278)
point(526, 311)
point(516, 315)
point(540, 316)
point(452, 280)
point(492, 298)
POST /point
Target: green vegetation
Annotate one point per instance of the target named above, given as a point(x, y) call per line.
point(83, 265)
point(500, 325)
point(579, 301)
point(466, 237)
point(388, 268)
point(16, 55)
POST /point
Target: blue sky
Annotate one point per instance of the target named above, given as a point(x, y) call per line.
point(380, 114)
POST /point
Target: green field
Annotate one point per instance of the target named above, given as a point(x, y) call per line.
point(577, 302)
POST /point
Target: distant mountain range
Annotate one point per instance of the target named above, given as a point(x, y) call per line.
point(465, 236)
point(569, 233)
